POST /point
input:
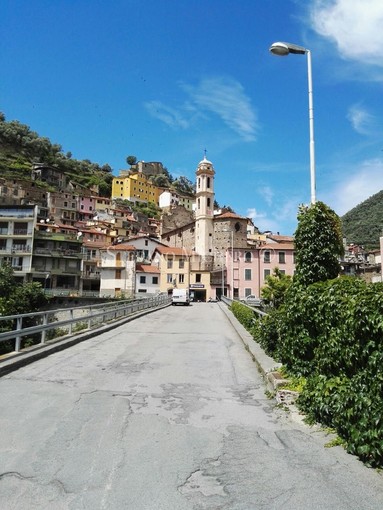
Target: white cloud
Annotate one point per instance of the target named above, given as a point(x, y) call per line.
point(361, 120)
point(223, 97)
point(356, 187)
point(267, 194)
point(170, 116)
point(226, 98)
point(253, 214)
point(355, 26)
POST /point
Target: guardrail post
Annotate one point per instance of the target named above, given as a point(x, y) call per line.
point(71, 318)
point(44, 331)
point(19, 325)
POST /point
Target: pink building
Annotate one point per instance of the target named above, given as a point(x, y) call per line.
point(247, 274)
point(86, 208)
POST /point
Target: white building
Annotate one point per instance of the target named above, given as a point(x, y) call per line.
point(118, 271)
point(17, 226)
point(147, 279)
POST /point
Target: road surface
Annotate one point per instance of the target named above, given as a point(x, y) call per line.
point(167, 412)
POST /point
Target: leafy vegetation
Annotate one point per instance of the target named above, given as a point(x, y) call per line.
point(17, 298)
point(274, 291)
point(318, 244)
point(20, 147)
point(363, 225)
point(328, 334)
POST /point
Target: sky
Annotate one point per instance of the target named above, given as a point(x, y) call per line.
point(165, 80)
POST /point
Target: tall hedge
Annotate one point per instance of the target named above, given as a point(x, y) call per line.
point(332, 333)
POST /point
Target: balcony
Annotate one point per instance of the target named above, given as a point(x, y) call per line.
point(22, 232)
point(21, 248)
point(89, 275)
point(57, 236)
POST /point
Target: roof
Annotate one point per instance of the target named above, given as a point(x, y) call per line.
point(171, 250)
point(87, 243)
point(146, 268)
point(277, 246)
point(229, 214)
point(121, 247)
point(281, 239)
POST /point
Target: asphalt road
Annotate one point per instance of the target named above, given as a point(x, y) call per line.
point(166, 412)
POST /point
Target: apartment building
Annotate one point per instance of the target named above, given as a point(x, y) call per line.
point(174, 267)
point(135, 187)
point(118, 270)
point(57, 258)
point(17, 225)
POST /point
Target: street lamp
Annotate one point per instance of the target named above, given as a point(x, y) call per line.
point(282, 49)
point(232, 260)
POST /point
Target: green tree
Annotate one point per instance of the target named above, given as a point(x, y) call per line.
point(184, 186)
point(160, 180)
point(318, 244)
point(19, 297)
point(131, 160)
point(277, 284)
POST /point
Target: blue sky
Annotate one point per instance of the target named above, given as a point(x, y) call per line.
point(165, 79)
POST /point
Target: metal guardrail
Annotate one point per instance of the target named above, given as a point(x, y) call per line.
point(229, 301)
point(85, 317)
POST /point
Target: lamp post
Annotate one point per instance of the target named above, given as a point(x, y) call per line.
point(282, 49)
point(232, 261)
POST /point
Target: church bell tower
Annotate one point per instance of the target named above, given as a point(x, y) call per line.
point(204, 211)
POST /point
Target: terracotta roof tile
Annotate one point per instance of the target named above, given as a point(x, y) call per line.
point(171, 250)
point(146, 268)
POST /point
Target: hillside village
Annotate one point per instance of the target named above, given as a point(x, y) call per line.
point(78, 243)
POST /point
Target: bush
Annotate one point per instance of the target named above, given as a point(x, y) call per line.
point(332, 334)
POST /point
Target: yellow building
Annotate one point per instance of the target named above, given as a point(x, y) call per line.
point(174, 266)
point(135, 187)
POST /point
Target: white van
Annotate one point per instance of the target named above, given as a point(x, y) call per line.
point(180, 296)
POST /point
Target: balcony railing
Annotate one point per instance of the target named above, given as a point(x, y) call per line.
point(90, 275)
point(22, 232)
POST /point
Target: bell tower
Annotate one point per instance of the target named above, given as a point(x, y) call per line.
point(204, 210)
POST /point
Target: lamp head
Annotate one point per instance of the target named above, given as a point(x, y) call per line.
point(282, 49)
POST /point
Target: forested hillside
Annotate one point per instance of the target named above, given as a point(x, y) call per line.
point(20, 147)
point(363, 225)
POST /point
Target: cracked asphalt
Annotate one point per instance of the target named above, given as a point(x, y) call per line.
point(167, 412)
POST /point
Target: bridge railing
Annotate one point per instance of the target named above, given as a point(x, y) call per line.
point(67, 321)
point(229, 301)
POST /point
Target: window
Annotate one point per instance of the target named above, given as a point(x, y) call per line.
point(118, 274)
point(266, 272)
point(181, 278)
point(198, 278)
point(248, 256)
point(155, 280)
point(142, 279)
point(208, 202)
point(208, 182)
point(282, 271)
point(266, 256)
point(170, 263)
point(169, 278)
point(247, 292)
point(282, 257)
point(181, 263)
point(146, 242)
point(247, 274)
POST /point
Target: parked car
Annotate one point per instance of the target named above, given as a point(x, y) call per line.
point(252, 300)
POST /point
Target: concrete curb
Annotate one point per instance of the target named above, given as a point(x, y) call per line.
point(16, 360)
point(267, 366)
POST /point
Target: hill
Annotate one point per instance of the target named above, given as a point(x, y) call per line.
point(20, 147)
point(363, 225)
